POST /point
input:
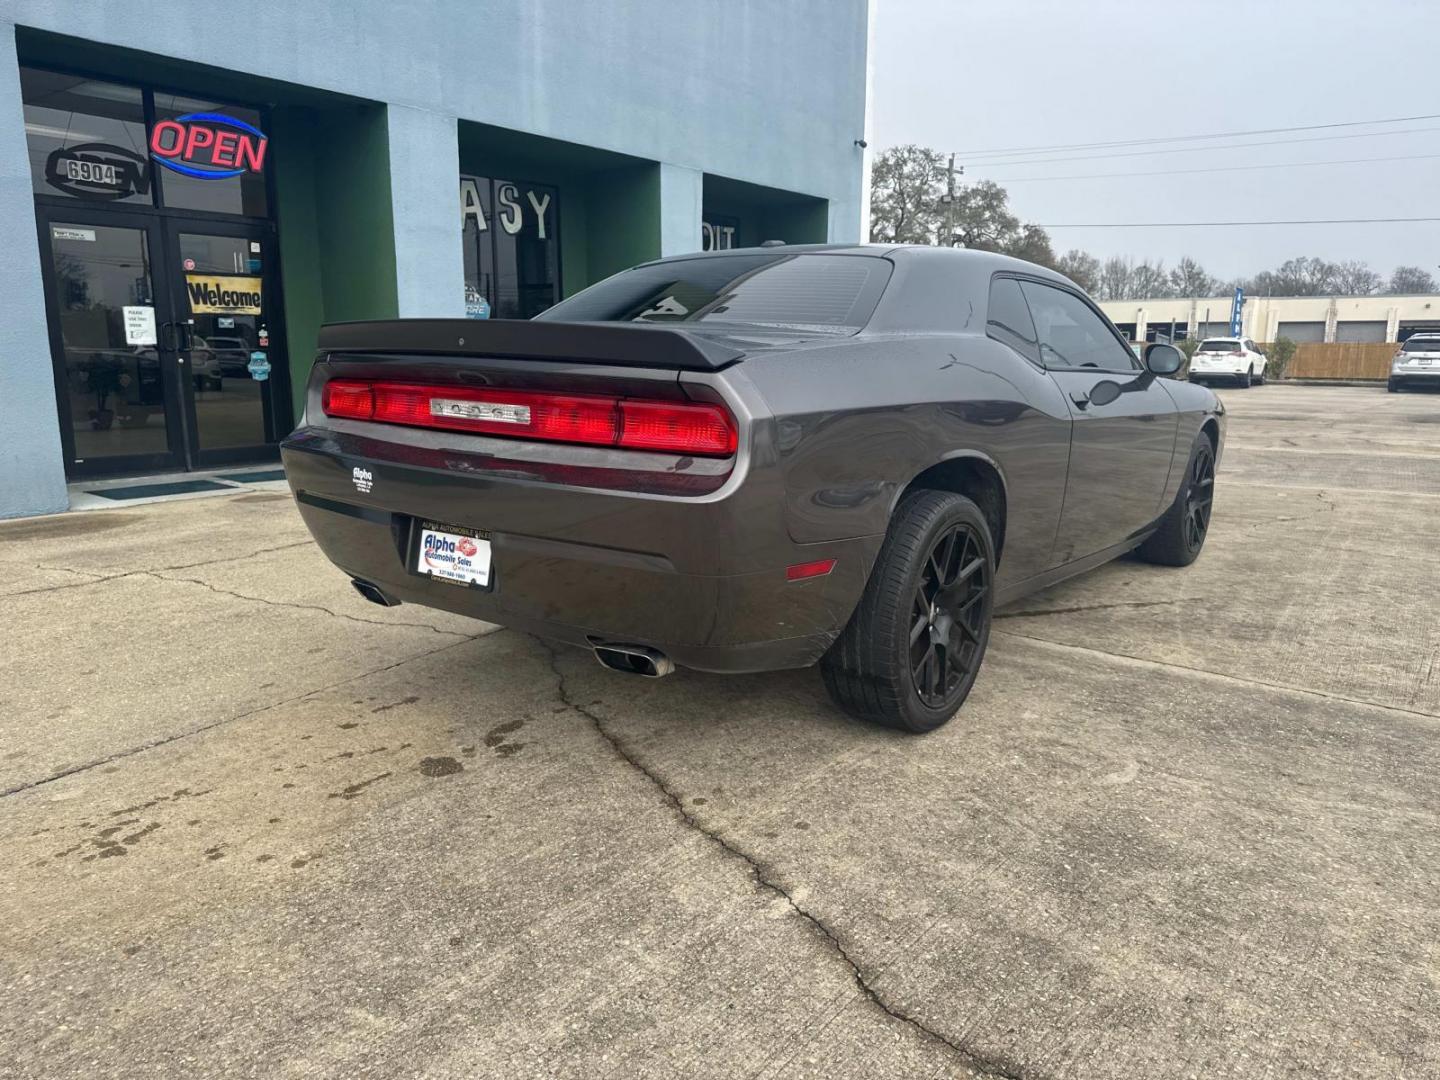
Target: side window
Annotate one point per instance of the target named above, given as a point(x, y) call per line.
point(1071, 334)
point(1007, 319)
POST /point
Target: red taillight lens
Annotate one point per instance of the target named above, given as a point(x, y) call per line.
point(683, 429)
point(592, 419)
point(352, 400)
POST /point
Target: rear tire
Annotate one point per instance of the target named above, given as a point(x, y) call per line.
point(1247, 379)
point(1392, 386)
point(1182, 531)
point(910, 652)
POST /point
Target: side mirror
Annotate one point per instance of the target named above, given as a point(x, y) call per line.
point(1163, 359)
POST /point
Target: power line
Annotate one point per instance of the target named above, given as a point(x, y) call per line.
point(1212, 224)
point(1197, 149)
point(1215, 169)
point(1191, 138)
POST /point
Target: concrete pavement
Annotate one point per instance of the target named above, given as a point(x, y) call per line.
point(1185, 826)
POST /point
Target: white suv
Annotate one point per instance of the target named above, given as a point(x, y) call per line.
point(1416, 364)
point(1228, 358)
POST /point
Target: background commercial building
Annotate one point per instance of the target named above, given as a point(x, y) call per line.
point(188, 191)
point(1265, 318)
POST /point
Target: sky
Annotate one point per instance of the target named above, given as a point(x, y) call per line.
point(973, 76)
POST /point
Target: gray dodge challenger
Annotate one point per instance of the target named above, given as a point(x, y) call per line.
point(759, 459)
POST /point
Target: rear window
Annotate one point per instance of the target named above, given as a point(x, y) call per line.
point(1418, 344)
point(827, 294)
point(1219, 346)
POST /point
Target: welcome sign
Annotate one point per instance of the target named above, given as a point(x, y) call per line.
point(223, 294)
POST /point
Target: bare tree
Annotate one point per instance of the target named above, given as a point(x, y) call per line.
point(1301, 276)
point(905, 188)
point(1115, 278)
point(1355, 278)
point(1080, 267)
point(1149, 281)
point(1190, 279)
point(1410, 279)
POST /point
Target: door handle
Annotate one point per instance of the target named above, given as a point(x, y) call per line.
point(169, 341)
point(1080, 398)
point(187, 339)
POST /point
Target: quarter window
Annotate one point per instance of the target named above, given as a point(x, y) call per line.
point(1071, 334)
point(1007, 319)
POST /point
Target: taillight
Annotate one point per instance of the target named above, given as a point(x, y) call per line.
point(590, 419)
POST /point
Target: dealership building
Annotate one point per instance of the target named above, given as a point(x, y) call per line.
point(1266, 318)
point(188, 191)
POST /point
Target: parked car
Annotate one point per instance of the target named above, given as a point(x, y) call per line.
point(1416, 364)
point(1236, 360)
point(233, 355)
point(759, 459)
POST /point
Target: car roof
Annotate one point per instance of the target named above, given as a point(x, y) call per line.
point(896, 252)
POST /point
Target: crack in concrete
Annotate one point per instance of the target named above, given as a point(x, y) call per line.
point(1097, 607)
point(973, 1061)
point(298, 607)
point(100, 579)
point(167, 739)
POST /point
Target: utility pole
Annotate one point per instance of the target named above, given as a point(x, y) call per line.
point(950, 203)
point(948, 199)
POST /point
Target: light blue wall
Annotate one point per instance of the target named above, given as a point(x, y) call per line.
point(424, 167)
point(771, 92)
point(682, 194)
point(32, 474)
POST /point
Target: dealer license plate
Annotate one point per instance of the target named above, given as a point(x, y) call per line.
point(461, 556)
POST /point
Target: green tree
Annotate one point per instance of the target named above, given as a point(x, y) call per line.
point(906, 183)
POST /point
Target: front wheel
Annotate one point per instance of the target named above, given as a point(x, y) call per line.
point(1182, 531)
point(910, 653)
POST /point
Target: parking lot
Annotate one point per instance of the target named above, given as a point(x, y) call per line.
point(1187, 825)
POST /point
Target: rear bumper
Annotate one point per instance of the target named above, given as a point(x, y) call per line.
point(700, 579)
point(1416, 377)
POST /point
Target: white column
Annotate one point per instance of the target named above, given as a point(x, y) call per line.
point(682, 194)
point(425, 204)
point(32, 466)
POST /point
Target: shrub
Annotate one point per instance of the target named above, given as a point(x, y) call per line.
point(1278, 357)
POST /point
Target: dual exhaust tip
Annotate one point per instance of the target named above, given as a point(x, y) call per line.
point(629, 659)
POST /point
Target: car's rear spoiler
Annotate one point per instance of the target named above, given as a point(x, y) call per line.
point(627, 344)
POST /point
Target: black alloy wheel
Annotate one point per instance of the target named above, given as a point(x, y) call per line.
point(1199, 496)
point(1181, 533)
point(915, 642)
point(946, 613)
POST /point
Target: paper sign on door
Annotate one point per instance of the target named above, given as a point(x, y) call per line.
point(139, 325)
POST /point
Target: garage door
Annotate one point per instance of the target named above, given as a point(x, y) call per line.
point(1302, 331)
point(1360, 331)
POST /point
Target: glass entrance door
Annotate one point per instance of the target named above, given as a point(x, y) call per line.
point(226, 299)
point(112, 343)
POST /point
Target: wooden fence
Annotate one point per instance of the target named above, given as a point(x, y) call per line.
point(1341, 360)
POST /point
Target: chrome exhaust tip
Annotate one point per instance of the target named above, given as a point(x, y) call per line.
point(373, 593)
point(633, 659)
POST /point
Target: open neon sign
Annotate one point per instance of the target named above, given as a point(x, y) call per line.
point(208, 146)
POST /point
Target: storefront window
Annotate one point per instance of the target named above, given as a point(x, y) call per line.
point(86, 138)
point(213, 155)
point(512, 251)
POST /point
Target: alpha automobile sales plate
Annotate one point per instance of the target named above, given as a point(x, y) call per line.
point(452, 554)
